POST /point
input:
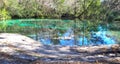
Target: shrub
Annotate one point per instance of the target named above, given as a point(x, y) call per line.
point(4, 14)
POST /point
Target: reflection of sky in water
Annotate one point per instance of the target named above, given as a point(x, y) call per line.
point(69, 42)
point(81, 40)
point(101, 0)
point(101, 37)
point(46, 41)
point(97, 38)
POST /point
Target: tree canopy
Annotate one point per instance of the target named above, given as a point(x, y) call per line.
point(82, 9)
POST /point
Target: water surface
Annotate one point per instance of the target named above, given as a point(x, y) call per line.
point(63, 32)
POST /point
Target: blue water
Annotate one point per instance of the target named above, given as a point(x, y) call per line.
point(66, 36)
point(97, 38)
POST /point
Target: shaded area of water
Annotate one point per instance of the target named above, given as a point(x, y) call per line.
point(62, 32)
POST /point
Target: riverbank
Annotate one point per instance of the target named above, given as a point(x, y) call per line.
point(19, 49)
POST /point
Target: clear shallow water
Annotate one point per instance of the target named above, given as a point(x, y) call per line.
point(62, 32)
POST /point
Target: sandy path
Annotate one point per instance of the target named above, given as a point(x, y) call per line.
point(24, 48)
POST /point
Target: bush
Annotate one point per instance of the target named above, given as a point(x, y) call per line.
point(4, 14)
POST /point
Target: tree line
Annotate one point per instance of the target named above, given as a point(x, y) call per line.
point(106, 10)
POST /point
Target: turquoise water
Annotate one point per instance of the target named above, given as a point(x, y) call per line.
point(62, 32)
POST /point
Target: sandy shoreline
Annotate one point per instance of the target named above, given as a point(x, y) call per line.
point(21, 48)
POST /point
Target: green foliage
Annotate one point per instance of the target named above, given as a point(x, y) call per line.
point(4, 14)
point(113, 15)
point(109, 9)
point(24, 8)
point(54, 9)
point(3, 26)
point(91, 9)
point(82, 9)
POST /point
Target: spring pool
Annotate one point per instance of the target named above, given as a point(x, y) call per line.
point(63, 32)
